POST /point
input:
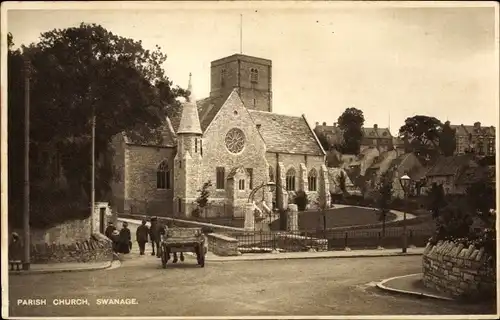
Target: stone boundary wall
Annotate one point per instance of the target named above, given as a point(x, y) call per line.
point(459, 271)
point(222, 245)
point(286, 241)
point(96, 249)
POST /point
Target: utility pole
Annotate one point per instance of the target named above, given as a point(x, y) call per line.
point(91, 101)
point(26, 206)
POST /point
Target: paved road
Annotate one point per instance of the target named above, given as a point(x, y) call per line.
point(257, 288)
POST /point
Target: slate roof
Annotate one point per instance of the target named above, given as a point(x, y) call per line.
point(465, 130)
point(286, 134)
point(374, 133)
point(449, 166)
point(208, 109)
point(168, 138)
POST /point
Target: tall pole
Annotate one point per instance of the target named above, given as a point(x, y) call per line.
point(405, 239)
point(91, 100)
point(26, 206)
point(241, 33)
point(93, 171)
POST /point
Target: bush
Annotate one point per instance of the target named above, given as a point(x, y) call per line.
point(301, 200)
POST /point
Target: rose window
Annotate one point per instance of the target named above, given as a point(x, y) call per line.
point(235, 140)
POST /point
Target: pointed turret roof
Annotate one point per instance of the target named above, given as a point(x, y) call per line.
point(190, 121)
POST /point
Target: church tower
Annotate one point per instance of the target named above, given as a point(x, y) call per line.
point(250, 75)
point(187, 162)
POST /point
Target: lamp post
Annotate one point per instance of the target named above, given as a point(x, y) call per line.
point(405, 182)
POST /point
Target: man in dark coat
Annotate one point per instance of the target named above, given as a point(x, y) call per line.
point(155, 234)
point(125, 239)
point(142, 234)
point(15, 251)
point(109, 229)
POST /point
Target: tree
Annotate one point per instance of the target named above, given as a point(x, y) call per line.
point(384, 196)
point(422, 135)
point(301, 200)
point(351, 123)
point(78, 72)
point(447, 140)
point(436, 200)
point(342, 181)
point(453, 222)
point(481, 197)
point(202, 200)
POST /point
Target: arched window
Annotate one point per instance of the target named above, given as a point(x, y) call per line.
point(290, 180)
point(223, 73)
point(271, 174)
point(163, 176)
point(312, 179)
point(254, 75)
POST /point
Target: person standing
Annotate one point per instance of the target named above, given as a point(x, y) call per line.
point(125, 239)
point(15, 251)
point(154, 234)
point(109, 229)
point(142, 234)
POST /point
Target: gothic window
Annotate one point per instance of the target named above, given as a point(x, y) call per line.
point(220, 173)
point(195, 145)
point(235, 140)
point(254, 75)
point(250, 176)
point(179, 204)
point(223, 74)
point(290, 180)
point(312, 180)
point(241, 184)
point(271, 174)
point(163, 176)
point(201, 147)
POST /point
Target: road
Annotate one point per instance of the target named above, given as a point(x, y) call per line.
point(251, 288)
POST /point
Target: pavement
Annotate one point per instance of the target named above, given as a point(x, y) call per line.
point(37, 268)
point(411, 284)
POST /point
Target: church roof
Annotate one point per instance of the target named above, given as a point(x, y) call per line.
point(286, 134)
point(190, 121)
point(208, 109)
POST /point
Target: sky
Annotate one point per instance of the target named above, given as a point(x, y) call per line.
point(392, 62)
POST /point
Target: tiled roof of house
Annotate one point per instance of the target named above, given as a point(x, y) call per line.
point(286, 134)
point(449, 166)
point(464, 130)
point(167, 138)
point(377, 133)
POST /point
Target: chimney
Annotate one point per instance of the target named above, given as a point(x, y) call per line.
point(317, 123)
point(258, 126)
point(335, 124)
point(324, 123)
point(477, 124)
point(375, 126)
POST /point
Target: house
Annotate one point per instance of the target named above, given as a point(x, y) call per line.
point(447, 170)
point(475, 139)
point(232, 139)
point(396, 165)
point(380, 138)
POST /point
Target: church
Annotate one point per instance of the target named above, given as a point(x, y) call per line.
point(231, 139)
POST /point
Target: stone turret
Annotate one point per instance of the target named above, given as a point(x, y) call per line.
point(187, 162)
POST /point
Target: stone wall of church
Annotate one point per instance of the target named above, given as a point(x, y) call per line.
point(297, 161)
point(141, 193)
point(215, 153)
